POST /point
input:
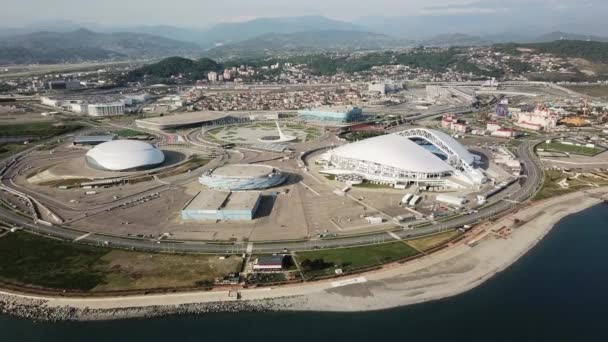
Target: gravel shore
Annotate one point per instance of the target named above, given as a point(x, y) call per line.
point(448, 272)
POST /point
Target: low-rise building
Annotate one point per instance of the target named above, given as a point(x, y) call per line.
point(269, 263)
point(452, 123)
point(541, 119)
point(504, 133)
point(69, 84)
point(106, 109)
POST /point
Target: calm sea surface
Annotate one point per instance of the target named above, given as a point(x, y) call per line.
point(557, 292)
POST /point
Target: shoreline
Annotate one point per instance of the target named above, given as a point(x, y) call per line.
point(446, 273)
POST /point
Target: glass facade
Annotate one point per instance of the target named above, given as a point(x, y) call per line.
point(327, 115)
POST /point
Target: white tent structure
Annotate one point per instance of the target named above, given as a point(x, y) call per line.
point(124, 155)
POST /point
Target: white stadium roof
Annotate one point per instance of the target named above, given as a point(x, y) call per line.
point(457, 147)
point(120, 155)
point(395, 151)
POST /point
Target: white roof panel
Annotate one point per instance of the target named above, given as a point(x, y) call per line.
point(118, 155)
point(454, 145)
point(395, 151)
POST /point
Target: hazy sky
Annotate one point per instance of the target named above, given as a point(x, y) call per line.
point(202, 13)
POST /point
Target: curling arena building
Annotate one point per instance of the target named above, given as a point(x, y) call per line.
point(240, 177)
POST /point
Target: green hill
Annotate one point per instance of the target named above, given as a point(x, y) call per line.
point(174, 67)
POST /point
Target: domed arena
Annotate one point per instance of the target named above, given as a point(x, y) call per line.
point(124, 155)
point(238, 177)
point(420, 156)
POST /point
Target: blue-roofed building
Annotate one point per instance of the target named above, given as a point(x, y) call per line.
point(222, 206)
point(338, 114)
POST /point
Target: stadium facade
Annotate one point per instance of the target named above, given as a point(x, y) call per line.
point(341, 114)
point(416, 156)
point(237, 177)
point(124, 155)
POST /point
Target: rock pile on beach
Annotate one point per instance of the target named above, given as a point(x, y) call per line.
point(34, 309)
point(39, 310)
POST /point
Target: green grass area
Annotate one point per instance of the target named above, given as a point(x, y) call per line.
point(194, 163)
point(10, 148)
point(514, 143)
point(551, 187)
point(27, 259)
point(128, 133)
point(324, 262)
point(137, 270)
point(430, 242)
point(595, 90)
point(38, 129)
point(557, 147)
point(33, 260)
point(266, 278)
point(356, 136)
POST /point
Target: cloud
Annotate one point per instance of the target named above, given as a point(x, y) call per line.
point(512, 5)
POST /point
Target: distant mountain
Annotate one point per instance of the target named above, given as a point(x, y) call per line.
point(53, 47)
point(455, 39)
point(306, 42)
point(236, 32)
point(192, 35)
point(208, 37)
point(558, 35)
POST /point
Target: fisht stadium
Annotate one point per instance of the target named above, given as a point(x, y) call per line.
point(124, 155)
point(241, 177)
point(415, 156)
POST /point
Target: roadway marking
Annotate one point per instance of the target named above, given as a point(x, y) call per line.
point(82, 237)
point(358, 280)
point(311, 189)
point(573, 163)
point(394, 236)
point(510, 201)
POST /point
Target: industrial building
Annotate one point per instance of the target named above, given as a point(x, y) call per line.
point(106, 109)
point(222, 206)
point(240, 177)
point(124, 155)
point(415, 156)
point(337, 114)
point(92, 140)
point(185, 120)
point(70, 84)
point(385, 87)
point(98, 106)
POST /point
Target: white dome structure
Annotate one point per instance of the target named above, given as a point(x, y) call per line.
point(397, 159)
point(124, 155)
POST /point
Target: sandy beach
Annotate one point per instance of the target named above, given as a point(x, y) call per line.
point(448, 272)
